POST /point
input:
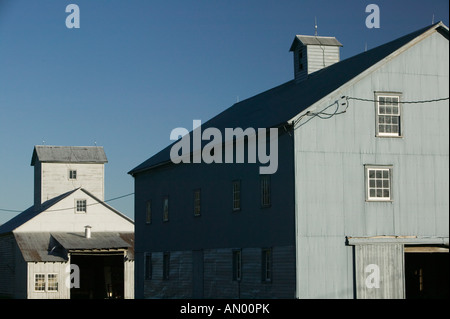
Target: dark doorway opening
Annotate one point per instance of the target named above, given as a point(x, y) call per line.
point(427, 275)
point(101, 276)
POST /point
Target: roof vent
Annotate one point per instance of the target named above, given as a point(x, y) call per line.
point(312, 53)
point(87, 231)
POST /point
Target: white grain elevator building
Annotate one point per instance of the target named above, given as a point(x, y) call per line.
point(70, 244)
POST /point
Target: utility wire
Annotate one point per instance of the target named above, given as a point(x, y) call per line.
point(324, 115)
point(54, 210)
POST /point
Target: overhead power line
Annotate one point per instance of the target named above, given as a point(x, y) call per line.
point(344, 101)
point(68, 208)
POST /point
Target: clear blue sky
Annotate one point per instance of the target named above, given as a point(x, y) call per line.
point(137, 69)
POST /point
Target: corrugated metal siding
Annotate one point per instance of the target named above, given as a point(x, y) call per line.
point(389, 259)
point(331, 154)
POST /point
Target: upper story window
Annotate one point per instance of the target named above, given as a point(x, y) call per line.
point(379, 183)
point(197, 202)
point(148, 212)
point(236, 195)
point(166, 208)
point(73, 174)
point(265, 190)
point(81, 206)
point(388, 114)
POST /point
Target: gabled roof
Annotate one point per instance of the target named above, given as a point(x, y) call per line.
point(277, 106)
point(314, 40)
point(68, 154)
point(32, 212)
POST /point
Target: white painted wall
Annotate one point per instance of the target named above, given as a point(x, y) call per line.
point(62, 217)
point(52, 179)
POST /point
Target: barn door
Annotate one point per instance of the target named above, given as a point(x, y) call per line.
point(379, 271)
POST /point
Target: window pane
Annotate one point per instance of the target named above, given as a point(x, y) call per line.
point(52, 282)
point(39, 282)
point(386, 193)
point(385, 174)
point(378, 174)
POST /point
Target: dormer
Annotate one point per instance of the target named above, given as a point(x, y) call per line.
point(312, 53)
point(59, 169)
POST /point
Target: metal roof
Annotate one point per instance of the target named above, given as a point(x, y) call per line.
point(55, 247)
point(277, 106)
point(98, 240)
point(38, 247)
point(68, 154)
point(314, 40)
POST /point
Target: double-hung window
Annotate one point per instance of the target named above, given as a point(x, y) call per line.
point(379, 183)
point(388, 114)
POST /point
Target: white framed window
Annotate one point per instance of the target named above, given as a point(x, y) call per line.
point(378, 183)
point(388, 110)
point(236, 195)
point(52, 282)
point(80, 206)
point(39, 282)
point(72, 174)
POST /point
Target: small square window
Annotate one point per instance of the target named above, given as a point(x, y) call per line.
point(379, 183)
point(81, 206)
point(72, 174)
